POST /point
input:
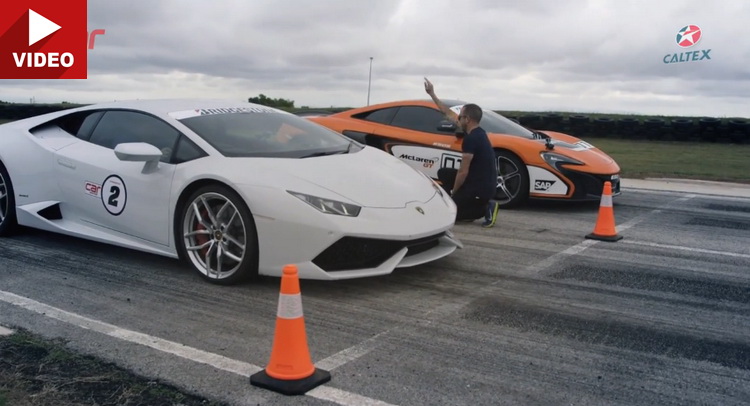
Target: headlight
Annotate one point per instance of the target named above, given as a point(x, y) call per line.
point(555, 159)
point(328, 206)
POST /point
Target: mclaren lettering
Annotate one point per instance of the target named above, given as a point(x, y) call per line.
point(417, 158)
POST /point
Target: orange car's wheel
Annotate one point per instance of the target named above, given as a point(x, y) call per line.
point(512, 180)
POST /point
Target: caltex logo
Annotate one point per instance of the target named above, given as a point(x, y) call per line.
point(688, 36)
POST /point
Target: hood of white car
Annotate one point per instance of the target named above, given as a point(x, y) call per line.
point(369, 178)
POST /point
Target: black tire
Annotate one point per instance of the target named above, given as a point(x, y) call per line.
point(203, 235)
point(8, 221)
point(512, 180)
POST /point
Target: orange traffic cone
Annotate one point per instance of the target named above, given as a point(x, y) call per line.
point(605, 224)
point(290, 370)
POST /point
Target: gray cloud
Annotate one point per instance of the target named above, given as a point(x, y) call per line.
point(582, 55)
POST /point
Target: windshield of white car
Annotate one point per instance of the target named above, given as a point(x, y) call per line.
point(266, 134)
point(495, 123)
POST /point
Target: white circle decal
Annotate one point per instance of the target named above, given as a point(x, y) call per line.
point(114, 195)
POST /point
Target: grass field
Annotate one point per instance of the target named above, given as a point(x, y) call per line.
point(685, 160)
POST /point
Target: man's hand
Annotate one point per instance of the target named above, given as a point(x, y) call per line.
point(428, 87)
point(443, 108)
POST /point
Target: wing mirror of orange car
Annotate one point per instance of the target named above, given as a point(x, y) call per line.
point(447, 126)
point(547, 140)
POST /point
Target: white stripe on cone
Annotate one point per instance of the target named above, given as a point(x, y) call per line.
point(290, 306)
point(606, 201)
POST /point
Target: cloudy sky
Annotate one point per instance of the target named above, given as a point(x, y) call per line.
point(531, 55)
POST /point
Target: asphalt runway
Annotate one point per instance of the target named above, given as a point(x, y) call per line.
point(529, 312)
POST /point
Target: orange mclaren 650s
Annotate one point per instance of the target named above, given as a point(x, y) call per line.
point(530, 163)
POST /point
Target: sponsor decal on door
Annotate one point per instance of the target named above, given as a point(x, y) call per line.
point(426, 159)
point(543, 182)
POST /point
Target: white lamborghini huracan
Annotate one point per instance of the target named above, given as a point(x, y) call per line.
point(234, 189)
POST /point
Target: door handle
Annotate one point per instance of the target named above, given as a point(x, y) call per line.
point(66, 163)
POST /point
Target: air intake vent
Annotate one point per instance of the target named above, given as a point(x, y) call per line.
point(51, 212)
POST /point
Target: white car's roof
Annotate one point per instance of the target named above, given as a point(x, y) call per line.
point(163, 107)
point(159, 107)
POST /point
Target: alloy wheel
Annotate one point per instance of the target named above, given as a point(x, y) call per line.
point(215, 235)
point(509, 180)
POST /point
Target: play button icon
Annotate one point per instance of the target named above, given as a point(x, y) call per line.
point(39, 27)
point(44, 39)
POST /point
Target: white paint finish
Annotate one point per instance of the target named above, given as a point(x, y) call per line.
point(350, 354)
point(342, 397)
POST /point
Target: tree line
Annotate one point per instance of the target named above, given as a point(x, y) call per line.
point(270, 102)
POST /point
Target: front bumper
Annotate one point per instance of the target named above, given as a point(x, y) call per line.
point(379, 240)
point(587, 186)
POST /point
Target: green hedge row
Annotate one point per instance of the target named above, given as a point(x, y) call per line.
point(701, 129)
point(14, 111)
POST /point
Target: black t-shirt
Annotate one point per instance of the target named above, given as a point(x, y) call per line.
point(482, 177)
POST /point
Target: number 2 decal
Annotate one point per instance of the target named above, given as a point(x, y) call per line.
point(114, 192)
point(114, 195)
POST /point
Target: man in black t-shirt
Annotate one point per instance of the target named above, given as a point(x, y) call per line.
point(474, 183)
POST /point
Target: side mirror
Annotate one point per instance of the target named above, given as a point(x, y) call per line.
point(547, 140)
point(447, 126)
point(139, 152)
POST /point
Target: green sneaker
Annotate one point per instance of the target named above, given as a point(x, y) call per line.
point(491, 216)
